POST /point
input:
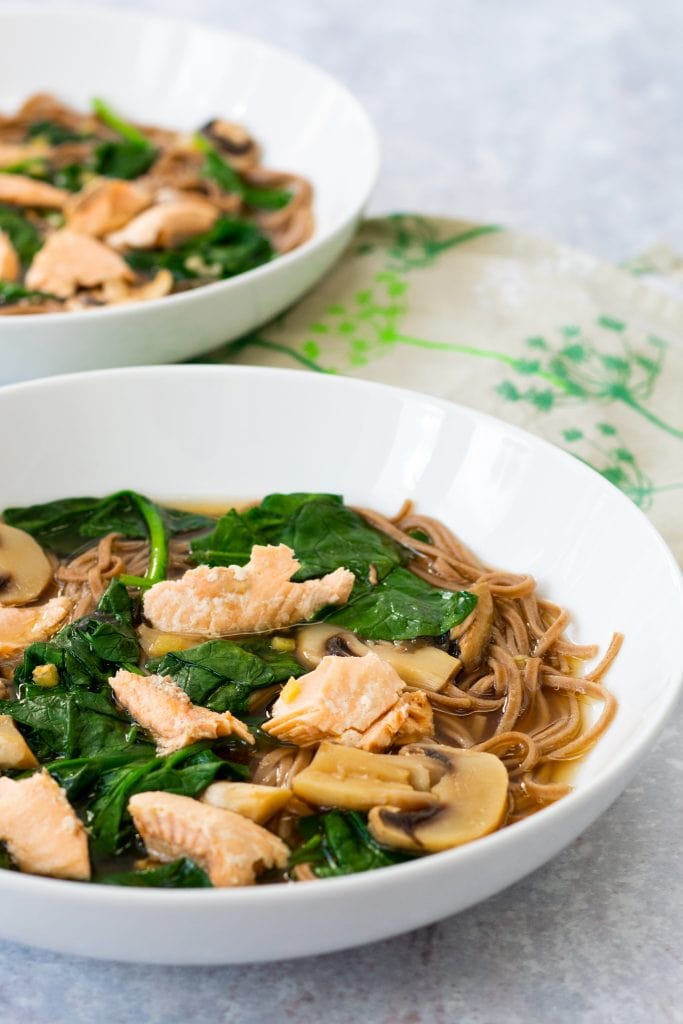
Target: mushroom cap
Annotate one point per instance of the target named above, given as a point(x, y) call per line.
point(25, 570)
point(471, 794)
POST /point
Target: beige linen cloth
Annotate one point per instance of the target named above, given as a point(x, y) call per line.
point(586, 355)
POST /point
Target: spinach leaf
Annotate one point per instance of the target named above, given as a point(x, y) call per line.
point(79, 776)
point(23, 235)
point(179, 874)
point(10, 292)
point(338, 843)
point(127, 159)
point(73, 724)
point(232, 246)
point(64, 525)
point(221, 674)
point(77, 718)
point(5, 859)
point(53, 132)
point(72, 177)
point(187, 772)
point(87, 652)
point(224, 174)
point(403, 607)
point(323, 533)
point(124, 159)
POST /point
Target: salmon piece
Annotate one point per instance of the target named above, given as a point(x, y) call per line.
point(69, 260)
point(15, 753)
point(164, 709)
point(231, 849)
point(251, 598)
point(356, 701)
point(41, 829)
point(20, 627)
point(19, 190)
point(104, 205)
point(409, 720)
point(9, 261)
point(18, 152)
point(166, 225)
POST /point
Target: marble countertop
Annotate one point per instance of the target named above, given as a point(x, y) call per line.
point(561, 120)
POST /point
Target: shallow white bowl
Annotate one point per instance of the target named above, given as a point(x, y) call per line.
point(179, 74)
point(223, 432)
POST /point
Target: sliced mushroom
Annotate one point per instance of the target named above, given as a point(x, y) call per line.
point(426, 668)
point(255, 802)
point(15, 752)
point(341, 776)
point(474, 634)
point(234, 142)
point(114, 292)
point(24, 568)
point(471, 799)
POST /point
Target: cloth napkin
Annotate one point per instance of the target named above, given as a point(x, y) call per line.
point(586, 355)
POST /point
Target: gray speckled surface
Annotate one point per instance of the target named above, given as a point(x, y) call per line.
point(562, 120)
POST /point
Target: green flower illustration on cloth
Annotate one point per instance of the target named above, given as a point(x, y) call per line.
point(601, 363)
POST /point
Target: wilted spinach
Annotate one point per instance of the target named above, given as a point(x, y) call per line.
point(339, 843)
point(11, 292)
point(23, 235)
point(77, 718)
point(323, 533)
point(221, 674)
point(64, 525)
point(230, 247)
point(53, 132)
point(186, 772)
point(179, 874)
point(224, 174)
point(403, 607)
point(127, 159)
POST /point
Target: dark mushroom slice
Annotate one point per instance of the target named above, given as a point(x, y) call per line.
point(25, 570)
point(232, 140)
point(471, 800)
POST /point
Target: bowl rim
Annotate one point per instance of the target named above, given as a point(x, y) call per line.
point(537, 825)
point(17, 9)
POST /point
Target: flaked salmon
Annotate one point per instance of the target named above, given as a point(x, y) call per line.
point(104, 205)
point(41, 829)
point(70, 260)
point(19, 190)
point(164, 709)
point(15, 753)
point(359, 702)
point(9, 261)
point(231, 849)
point(252, 598)
point(20, 627)
point(166, 225)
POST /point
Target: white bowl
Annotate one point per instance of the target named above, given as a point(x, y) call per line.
point(222, 432)
point(179, 74)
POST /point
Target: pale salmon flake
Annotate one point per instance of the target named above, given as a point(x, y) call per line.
point(165, 710)
point(230, 848)
point(70, 260)
point(43, 834)
point(359, 702)
point(104, 205)
point(253, 598)
point(165, 225)
point(20, 627)
point(20, 190)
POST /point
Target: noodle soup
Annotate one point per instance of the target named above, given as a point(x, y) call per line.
point(291, 691)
